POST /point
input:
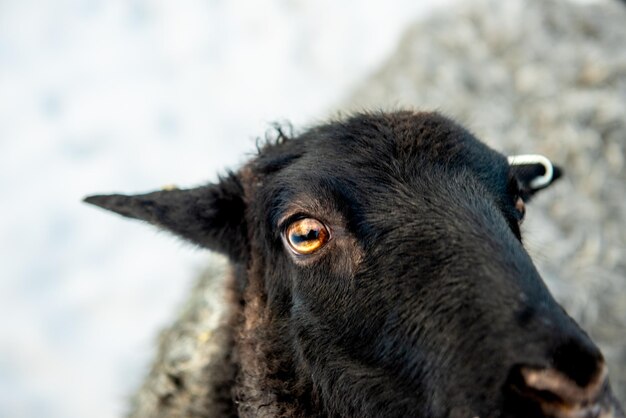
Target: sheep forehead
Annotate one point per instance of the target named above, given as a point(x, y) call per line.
point(326, 170)
point(340, 198)
point(345, 163)
point(380, 144)
point(402, 142)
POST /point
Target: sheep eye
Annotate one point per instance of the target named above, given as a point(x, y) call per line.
point(306, 236)
point(520, 207)
point(515, 191)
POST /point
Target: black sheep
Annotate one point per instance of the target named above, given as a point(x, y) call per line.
point(380, 272)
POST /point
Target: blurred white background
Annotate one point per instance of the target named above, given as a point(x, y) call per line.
point(120, 95)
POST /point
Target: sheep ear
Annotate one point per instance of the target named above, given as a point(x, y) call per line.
point(533, 173)
point(211, 216)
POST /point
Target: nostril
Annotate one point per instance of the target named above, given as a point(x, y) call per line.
point(570, 382)
point(552, 385)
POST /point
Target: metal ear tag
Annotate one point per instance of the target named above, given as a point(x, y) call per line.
point(526, 159)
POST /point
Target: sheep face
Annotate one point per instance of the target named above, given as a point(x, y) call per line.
point(385, 275)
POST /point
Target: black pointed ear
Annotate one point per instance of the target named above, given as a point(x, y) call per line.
point(212, 216)
point(533, 173)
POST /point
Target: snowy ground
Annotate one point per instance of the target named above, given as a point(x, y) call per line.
point(102, 96)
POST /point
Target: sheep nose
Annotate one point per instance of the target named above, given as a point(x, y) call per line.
point(551, 385)
point(572, 383)
point(558, 395)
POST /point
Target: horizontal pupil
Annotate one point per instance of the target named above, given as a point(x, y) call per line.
point(302, 238)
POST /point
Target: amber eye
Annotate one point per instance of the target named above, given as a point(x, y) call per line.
point(307, 235)
point(520, 206)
